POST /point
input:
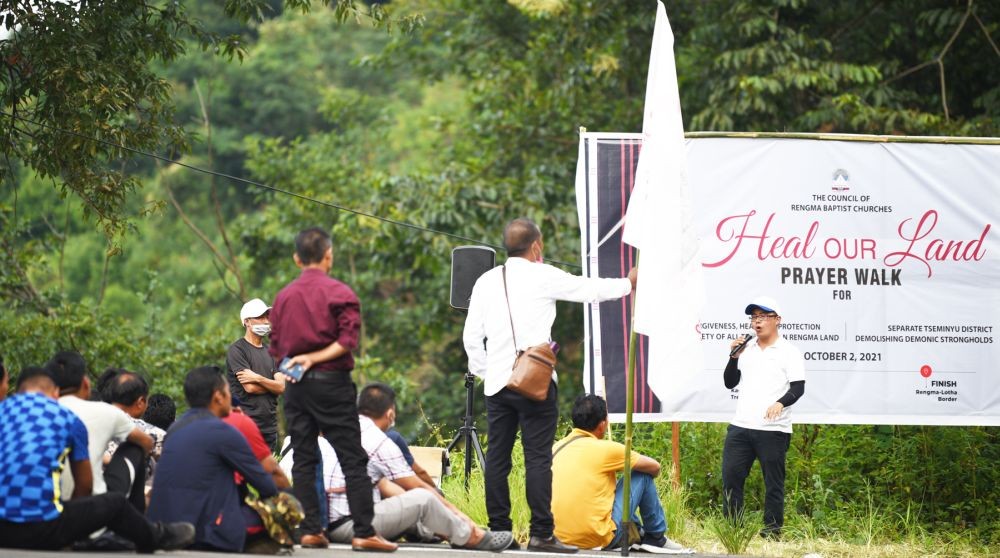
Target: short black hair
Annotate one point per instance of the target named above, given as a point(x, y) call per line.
point(103, 383)
point(201, 383)
point(518, 236)
point(376, 399)
point(160, 410)
point(588, 411)
point(311, 245)
point(125, 388)
point(68, 369)
point(34, 377)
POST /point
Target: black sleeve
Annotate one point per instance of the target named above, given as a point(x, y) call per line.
point(795, 391)
point(731, 376)
point(237, 359)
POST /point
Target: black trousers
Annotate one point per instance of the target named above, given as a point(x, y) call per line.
point(327, 402)
point(80, 518)
point(506, 412)
point(769, 448)
point(271, 439)
point(126, 474)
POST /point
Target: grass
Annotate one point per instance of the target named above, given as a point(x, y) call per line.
point(737, 531)
point(863, 531)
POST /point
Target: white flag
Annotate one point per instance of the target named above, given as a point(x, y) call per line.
point(659, 222)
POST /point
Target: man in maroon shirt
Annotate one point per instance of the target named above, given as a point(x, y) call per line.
point(315, 321)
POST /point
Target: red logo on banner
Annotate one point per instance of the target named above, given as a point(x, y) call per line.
point(926, 371)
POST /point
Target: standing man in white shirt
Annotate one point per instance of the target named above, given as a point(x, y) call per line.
point(771, 375)
point(532, 288)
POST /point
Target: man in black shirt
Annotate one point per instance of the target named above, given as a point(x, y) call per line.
point(252, 377)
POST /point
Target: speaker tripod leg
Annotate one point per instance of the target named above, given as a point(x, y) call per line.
point(474, 436)
point(467, 434)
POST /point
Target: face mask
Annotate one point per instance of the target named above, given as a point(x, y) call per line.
point(261, 329)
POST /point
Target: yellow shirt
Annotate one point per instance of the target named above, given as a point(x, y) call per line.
point(583, 488)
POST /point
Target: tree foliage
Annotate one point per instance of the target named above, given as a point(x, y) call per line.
point(456, 125)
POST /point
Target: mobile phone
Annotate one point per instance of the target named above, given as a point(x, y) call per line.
point(293, 371)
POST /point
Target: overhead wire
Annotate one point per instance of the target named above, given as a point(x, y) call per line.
point(275, 189)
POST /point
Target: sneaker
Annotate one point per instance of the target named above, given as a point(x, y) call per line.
point(661, 545)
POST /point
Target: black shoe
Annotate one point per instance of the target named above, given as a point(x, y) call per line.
point(107, 542)
point(265, 545)
point(175, 536)
point(551, 544)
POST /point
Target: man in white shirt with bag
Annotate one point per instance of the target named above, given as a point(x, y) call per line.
point(518, 301)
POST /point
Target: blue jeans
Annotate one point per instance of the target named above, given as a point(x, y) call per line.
point(644, 497)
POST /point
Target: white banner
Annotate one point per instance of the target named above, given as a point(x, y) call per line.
point(883, 257)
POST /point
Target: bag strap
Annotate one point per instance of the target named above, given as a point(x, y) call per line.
point(503, 271)
point(568, 442)
point(284, 451)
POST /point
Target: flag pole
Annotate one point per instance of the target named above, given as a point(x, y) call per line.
point(629, 403)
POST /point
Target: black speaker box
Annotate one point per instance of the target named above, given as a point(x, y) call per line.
point(467, 264)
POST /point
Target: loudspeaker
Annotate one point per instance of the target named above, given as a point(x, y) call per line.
point(467, 264)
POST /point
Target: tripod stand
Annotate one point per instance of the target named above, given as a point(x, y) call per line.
point(467, 434)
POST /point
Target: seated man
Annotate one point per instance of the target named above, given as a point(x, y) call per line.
point(194, 477)
point(160, 411)
point(587, 500)
point(123, 470)
point(104, 422)
point(403, 502)
point(37, 436)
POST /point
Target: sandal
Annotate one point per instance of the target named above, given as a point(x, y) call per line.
point(495, 541)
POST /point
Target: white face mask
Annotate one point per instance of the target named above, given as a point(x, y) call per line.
point(261, 329)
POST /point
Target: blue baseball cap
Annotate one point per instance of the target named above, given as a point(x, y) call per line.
point(764, 303)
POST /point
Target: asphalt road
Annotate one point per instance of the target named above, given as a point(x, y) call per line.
point(344, 551)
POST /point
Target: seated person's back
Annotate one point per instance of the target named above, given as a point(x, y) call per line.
point(194, 477)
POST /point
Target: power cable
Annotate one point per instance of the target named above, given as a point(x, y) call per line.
point(266, 186)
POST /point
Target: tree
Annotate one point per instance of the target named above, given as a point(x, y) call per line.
point(75, 72)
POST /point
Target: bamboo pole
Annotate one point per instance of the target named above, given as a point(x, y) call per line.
point(863, 138)
point(848, 137)
point(629, 401)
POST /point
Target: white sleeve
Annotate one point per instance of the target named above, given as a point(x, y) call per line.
point(560, 285)
point(474, 334)
point(122, 424)
point(795, 368)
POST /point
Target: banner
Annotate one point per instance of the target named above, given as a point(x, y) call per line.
point(883, 255)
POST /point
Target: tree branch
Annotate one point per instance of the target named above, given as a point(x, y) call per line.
point(194, 228)
point(216, 206)
point(939, 60)
point(987, 34)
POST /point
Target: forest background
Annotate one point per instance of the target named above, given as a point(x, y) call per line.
point(456, 115)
